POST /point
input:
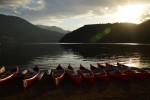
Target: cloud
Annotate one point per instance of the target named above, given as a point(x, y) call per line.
point(12, 3)
point(56, 11)
point(68, 8)
point(145, 16)
point(34, 5)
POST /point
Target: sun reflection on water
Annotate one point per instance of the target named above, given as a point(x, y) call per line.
point(98, 54)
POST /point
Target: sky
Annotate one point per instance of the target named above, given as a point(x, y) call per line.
point(72, 14)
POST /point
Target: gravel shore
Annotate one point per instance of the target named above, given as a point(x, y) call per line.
point(45, 90)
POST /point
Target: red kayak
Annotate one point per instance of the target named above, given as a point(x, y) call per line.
point(147, 72)
point(8, 75)
point(100, 74)
point(74, 75)
point(115, 73)
point(87, 75)
point(100, 66)
point(58, 75)
point(133, 72)
point(109, 65)
point(121, 65)
point(31, 76)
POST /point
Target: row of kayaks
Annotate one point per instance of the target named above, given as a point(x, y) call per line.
point(102, 72)
point(28, 76)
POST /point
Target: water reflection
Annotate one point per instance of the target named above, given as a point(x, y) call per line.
point(50, 55)
point(23, 54)
point(133, 55)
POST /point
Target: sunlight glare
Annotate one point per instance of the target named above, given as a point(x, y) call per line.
point(129, 13)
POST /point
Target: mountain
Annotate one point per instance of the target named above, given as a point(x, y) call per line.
point(54, 28)
point(15, 30)
point(110, 33)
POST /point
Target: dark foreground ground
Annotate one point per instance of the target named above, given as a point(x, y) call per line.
point(45, 90)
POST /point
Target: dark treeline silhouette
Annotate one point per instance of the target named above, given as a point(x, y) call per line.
point(110, 33)
point(15, 30)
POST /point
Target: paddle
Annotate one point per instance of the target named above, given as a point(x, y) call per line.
point(2, 70)
point(41, 75)
point(49, 72)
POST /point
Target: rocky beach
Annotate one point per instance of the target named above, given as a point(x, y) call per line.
point(45, 90)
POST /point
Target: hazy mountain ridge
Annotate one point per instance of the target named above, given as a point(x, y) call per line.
point(15, 30)
point(110, 33)
point(54, 28)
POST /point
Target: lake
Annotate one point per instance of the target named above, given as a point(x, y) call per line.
point(49, 55)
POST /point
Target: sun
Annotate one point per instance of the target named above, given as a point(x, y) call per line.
point(129, 13)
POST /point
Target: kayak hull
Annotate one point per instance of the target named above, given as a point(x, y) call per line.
point(76, 79)
point(9, 77)
point(58, 75)
point(100, 74)
point(90, 78)
point(28, 82)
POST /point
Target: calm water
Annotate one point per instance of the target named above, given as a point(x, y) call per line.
point(50, 55)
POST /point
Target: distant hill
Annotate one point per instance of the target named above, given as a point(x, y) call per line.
point(54, 28)
point(17, 30)
point(110, 33)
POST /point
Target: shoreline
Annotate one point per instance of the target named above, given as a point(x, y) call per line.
point(45, 90)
